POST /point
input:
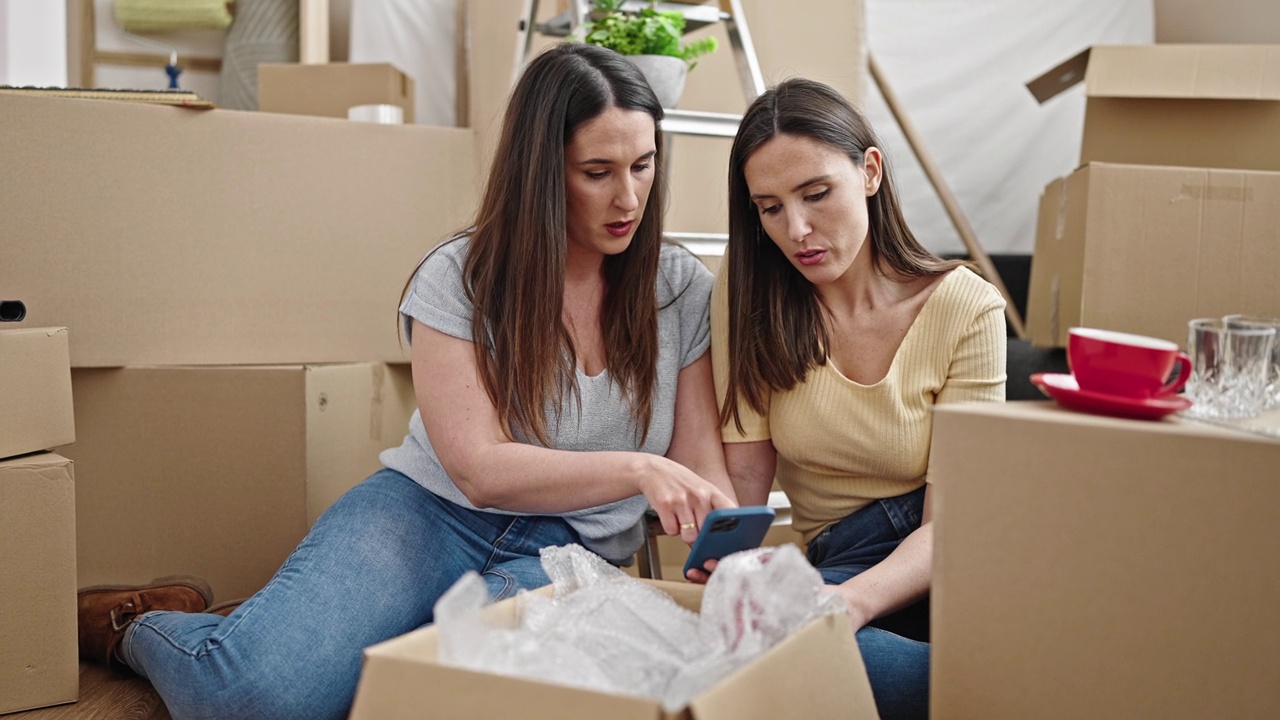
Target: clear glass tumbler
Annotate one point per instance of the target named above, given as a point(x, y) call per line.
point(1271, 398)
point(1229, 368)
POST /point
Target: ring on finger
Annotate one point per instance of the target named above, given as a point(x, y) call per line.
point(688, 526)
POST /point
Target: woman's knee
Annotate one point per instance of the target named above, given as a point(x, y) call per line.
point(898, 669)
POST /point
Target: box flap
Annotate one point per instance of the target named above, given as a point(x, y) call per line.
point(817, 672)
point(1066, 75)
point(1218, 72)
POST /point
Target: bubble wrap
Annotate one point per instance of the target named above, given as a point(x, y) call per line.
point(608, 632)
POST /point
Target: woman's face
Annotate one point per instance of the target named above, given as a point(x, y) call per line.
point(812, 201)
point(608, 174)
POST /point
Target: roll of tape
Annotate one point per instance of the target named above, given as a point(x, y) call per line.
point(382, 114)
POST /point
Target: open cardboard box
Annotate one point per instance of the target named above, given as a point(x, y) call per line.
point(1212, 106)
point(815, 673)
point(1093, 567)
point(1144, 249)
point(35, 390)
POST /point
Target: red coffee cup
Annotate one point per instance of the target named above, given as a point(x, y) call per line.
point(1116, 363)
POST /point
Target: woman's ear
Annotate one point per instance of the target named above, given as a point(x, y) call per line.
point(872, 169)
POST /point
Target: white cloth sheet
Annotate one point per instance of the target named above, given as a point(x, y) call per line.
point(960, 68)
point(420, 38)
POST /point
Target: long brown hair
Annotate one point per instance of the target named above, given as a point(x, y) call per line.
point(777, 331)
point(515, 267)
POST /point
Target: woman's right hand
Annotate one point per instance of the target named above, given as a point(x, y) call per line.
point(680, 496)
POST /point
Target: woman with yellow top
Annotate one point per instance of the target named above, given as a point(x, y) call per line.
point(834, 333)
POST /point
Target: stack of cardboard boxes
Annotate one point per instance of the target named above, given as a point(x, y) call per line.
point(37, 522)
point(1087, 566)
point(1173, 213)
point(230, 281)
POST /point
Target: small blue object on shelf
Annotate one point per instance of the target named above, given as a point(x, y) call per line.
point(174, 71)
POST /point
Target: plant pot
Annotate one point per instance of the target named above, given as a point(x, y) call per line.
point(665, 74)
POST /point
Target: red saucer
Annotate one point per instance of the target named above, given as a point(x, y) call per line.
point(1064, 389)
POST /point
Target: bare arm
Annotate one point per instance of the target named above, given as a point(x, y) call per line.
point(899, 580)
point(751, 467)
point(493, 471)
point(695, 442)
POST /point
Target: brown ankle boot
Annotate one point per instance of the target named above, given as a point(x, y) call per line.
point(104, 611)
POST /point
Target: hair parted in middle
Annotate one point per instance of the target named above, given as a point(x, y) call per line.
point(777, 331)
point(515, 269)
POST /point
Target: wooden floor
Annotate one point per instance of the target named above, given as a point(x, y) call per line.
point(104, 696)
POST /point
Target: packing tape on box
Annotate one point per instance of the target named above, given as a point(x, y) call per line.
point(382, 114)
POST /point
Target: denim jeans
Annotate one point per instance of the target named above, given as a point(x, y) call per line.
point(897, 666)
point(371, 568)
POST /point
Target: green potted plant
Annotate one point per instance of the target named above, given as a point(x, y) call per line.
point(653, 40)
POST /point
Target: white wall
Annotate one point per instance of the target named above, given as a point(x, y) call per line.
point(33, 43)
point(960, 69)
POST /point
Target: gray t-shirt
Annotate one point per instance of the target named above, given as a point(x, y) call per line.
point(683, 291)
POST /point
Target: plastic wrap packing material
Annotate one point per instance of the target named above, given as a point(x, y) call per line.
point(816, 673)
point(1090, 567)
point(607, 632)
point(1144, 249)
point(330, 90)
point(35, 391)
point(220, 237)
point(38, 656)
point(1199, 105)
point(219, 471)
point(161, 16)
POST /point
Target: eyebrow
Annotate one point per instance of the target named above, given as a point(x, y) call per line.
point(805, 184)
point(606, 161)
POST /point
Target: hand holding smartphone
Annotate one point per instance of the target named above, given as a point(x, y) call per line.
point(729, 530)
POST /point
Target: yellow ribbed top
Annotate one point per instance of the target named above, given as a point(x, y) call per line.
point(842, 444)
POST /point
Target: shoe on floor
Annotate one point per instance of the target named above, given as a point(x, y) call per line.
point(105, 611)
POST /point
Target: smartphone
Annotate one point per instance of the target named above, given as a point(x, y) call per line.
point(727, 531)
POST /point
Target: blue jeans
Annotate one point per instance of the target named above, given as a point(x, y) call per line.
point(371, 568)
point(897, 666)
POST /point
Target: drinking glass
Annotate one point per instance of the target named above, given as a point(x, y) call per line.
point(1271, 396)
point(1229, 368)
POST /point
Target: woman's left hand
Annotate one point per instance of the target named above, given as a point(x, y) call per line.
point(857, 613)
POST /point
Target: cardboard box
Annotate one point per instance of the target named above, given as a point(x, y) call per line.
point(329, 90)
point(219, 471)
point(35, 391)
point(162, 235)
point(1090, 567)
point(39, 662)
point(1144, 249)
point(1197, 105)
point(816, 673)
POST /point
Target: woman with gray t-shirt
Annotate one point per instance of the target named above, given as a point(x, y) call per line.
point(563, 382)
